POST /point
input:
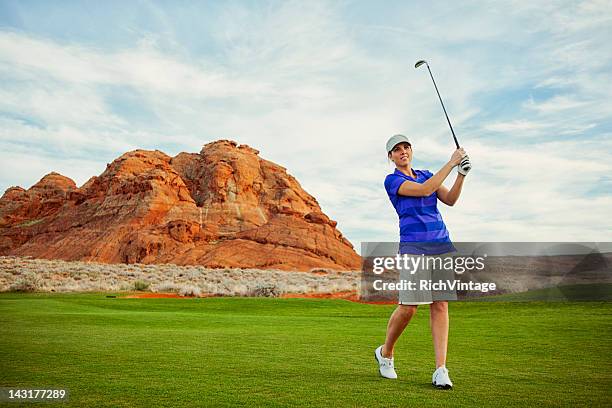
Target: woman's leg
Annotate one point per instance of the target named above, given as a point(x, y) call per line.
point(438, 320)
point(397, 323)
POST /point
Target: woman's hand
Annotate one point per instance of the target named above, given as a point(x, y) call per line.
point(465, 166)
point(457, 156)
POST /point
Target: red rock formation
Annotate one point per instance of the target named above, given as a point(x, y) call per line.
point(223, 207)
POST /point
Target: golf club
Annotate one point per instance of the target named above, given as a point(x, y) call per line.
point(418, 64)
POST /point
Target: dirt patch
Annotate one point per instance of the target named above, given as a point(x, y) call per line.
point(156, 296)
point(350, 295)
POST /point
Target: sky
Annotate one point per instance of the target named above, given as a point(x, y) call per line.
point(318, 87)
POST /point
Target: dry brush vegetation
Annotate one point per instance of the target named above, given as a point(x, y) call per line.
point(24, 274)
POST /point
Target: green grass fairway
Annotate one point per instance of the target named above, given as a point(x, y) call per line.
point(300, 352)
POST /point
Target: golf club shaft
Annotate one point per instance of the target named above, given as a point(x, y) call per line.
point(443, 108)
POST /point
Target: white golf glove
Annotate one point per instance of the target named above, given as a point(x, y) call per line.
point(465, 166)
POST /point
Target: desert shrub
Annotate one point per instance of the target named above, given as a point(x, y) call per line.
point(190, 290)
point(321, 271)
point(141, 285)
point(166, 286)
point(240, 289)
point(125, 286)
point(265, 290)
point(29, 223)
point(29, 282)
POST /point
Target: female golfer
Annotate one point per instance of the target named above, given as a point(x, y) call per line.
point(414, 194)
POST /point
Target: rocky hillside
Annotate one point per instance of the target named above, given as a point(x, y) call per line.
point(222, 207)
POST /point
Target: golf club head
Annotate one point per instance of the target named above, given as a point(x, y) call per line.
point(419, 63)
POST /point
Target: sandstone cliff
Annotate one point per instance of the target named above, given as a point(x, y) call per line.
point(223, 207)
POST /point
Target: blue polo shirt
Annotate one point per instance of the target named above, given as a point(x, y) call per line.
point(419, 218)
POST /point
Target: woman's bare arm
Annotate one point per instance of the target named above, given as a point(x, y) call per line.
point(413, 189)
point(450, 197)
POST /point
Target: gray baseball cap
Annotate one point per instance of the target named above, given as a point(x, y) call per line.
point(395, 139)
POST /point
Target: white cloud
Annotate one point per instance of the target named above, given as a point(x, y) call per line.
point(555, 104)
point(26, 168)
point(143, 67)
point(516, 125)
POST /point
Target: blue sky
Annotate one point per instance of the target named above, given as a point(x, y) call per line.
point(318, 87)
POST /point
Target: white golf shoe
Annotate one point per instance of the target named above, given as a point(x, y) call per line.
point(385, 365)
point(440, 379)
